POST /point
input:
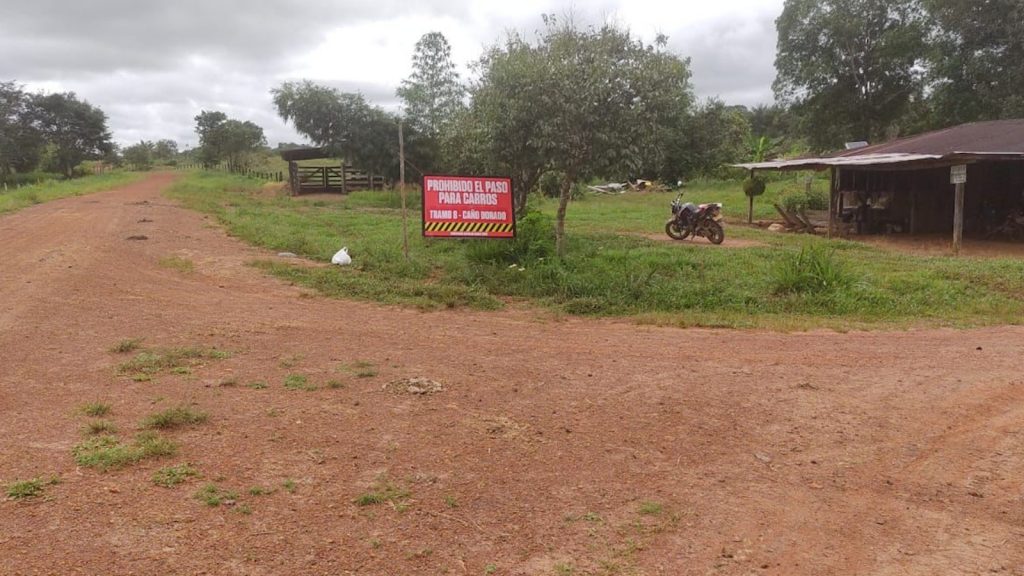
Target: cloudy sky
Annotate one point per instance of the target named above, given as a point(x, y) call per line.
point(153, 65)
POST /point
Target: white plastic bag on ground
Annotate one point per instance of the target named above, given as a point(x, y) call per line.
point(341, 258)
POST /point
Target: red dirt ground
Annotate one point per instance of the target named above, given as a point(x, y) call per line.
point(556, 447)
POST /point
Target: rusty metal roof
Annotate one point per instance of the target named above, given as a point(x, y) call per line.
point(993, 140)
point(999, 137)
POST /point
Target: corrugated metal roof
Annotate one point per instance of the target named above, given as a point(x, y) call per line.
point(819, 163)
point(997, 139)
point(992, 137)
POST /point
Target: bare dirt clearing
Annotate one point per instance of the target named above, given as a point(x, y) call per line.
point(549, 447)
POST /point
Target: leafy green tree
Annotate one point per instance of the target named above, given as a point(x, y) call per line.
point(74, 129)
point(433, 95)
point(851, 68)
point(976, 56)
point(342, 122)
point(501, 133)
point(596, 104)
point(139, 156)
point(165, 151)
point(21, 141)
point(716, 134)
point(222, 139)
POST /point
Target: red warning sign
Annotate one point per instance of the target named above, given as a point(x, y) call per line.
point(468, 206)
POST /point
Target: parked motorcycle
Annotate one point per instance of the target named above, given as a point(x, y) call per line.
point(690, 220)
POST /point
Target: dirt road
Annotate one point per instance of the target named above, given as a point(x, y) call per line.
point(556, 446)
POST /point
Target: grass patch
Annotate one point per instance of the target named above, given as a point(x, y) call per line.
point(258, 385)
point(384, 491)
point(25, 196)
point(99, 427)
point(174, 475)
point(175, 417)
point(360, 369)
point(25, 489)
point(183, 265)
point(290, 486)
point(107, 452)
point(127, 345)
point(260, 491)
point(298, 382)
point(612, 269)
point(151, 362)
point(96, 409)
point(650, 509)
point(213, 496)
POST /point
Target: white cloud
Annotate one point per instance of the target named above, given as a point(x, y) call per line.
point(153, 66)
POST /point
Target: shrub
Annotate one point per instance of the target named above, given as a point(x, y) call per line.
point(535, 239)
point(815, 269)
point(812, 199)
point(550, 183)
point(174, 418)
point(753, 186)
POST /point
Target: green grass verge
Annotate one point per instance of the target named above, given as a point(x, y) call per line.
point(16, 199)
point(612, 269)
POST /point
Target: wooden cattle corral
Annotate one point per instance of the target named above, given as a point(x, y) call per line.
point(339, 179)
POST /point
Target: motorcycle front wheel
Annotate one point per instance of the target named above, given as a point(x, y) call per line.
point(714, 232)
point(674, 231)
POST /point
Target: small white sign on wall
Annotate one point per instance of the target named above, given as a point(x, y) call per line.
point(958, 174)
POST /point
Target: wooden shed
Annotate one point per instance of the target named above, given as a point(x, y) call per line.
point(339, 179)
point(906, 186)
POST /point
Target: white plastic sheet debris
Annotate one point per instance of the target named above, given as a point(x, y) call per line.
point(341, 257)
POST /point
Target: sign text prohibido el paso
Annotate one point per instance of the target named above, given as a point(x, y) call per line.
point(468, 207)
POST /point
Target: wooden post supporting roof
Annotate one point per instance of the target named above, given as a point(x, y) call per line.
point(833, 185)
point(958, 220)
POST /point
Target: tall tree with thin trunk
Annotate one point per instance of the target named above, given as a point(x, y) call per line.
point(433, 95)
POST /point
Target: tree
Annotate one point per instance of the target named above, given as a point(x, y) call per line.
point(976, 60)
point(342, 122)
point(222, 139)
point(75, 129)
point(501, 132)
point(165, 151)
point(715, 134)
point(139, 156)
point(853, 66)
point(433, 95)
point(21, 142)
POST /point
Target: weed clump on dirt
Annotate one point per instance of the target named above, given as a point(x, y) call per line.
point(107, 452)
point(127, 345)
point(99, 427)
point(178, 263)
point(213, 496)
point(96, 409)
point(25, 489)
point(650, 508)
point(298, 382)
point(174, 475)
point(384, 491)
point(150, 362)
point(174, 418)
